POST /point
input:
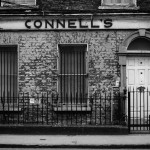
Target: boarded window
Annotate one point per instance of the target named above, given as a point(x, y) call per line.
point(73, 74)
point(8, 72)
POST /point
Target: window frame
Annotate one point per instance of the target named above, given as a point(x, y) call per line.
point(86, 64)
point(19, 3)
point(103, 3)
point(15, 48)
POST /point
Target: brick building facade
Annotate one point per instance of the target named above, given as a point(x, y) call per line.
point(35, 42)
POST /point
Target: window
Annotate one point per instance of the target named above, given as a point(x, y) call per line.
point(8, 71)
point(140, 43)
point(73, 73)
point(21, 2)
point(118, 2)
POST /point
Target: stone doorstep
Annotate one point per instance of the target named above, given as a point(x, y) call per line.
point(72, 130)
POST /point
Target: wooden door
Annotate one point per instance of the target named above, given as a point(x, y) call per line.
point(138, 83)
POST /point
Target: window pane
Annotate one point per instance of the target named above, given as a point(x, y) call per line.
point(29, 2)
point(128, 1)
point(107, 1)
point(72, 73)
point(117, 1)
point(72, 60)
point(139, 44)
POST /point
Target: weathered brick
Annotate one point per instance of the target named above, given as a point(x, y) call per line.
point(82, 5)
point(38, 66)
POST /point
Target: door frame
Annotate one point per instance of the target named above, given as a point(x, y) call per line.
point(124, 53)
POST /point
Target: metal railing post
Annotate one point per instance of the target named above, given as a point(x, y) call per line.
point(47, 109)
point(149, 122)
point(128, 111)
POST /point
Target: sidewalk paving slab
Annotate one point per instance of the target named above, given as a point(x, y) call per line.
point(79, 141)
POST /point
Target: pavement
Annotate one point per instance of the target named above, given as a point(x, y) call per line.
point(75, 141)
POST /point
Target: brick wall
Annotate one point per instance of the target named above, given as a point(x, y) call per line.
point(48, 5)
point(68, 4)
point(144, 4)
point(37, 57)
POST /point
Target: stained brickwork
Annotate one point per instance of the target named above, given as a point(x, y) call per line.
point(37, 57)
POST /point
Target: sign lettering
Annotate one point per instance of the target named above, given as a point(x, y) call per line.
point(68, 24)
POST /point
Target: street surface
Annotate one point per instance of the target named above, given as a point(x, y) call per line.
point(63, 149)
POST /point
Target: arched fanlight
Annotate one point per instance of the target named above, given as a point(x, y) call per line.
point(140, 43)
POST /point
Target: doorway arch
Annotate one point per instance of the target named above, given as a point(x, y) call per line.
point(125, 50)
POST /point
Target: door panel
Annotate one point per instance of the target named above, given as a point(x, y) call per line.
point(131, 78)
point(141, 76)
point(141, 61)
point(138, 72)
point(148, 76)
point(131, 62)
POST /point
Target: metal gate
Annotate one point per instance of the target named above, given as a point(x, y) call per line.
point(139, 110)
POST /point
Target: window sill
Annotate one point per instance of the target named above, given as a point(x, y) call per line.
point(66, 108)
point(21, 7)
point(118, 7)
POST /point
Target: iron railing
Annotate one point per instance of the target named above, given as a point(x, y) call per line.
point(139, 110)
point(45, 109)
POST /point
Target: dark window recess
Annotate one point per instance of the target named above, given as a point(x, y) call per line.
point(139, 44)
point(73, 75)
point(8, 72)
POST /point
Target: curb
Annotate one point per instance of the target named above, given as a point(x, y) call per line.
point(75, 146)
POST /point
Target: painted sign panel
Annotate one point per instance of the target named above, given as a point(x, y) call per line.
point(69, 24)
